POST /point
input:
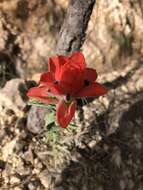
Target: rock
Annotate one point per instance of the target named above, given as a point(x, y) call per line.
point(31, 186)
point(92, 143)
point(17, 188)
point(28, 155)
point(12, 92)
point(45, 178)
point(59, 188)
point(14, 180)
point(8, 149)
point(35, 121)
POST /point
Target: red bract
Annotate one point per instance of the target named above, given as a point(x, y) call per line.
point(67, 79)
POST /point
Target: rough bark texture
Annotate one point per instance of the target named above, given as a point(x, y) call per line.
point(72, 36)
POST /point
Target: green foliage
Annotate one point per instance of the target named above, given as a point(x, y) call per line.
point(53, 132)
point(49, 119)
point(41, 105)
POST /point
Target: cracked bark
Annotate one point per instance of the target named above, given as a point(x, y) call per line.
point(71, 38)
point(73, 31)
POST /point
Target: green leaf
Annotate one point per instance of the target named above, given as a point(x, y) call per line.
point(49, 119)
point(53, 134)
point(71, 128)
point(41, 105)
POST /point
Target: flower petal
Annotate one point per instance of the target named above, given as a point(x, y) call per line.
point(38, 92)
point(56, 62)
point(94, 89)
point(71, 79)
point(41, 94)
point(46, 78)
point(44, 91)
point(90, 74)
point(65, 113)
point(57, 90)
point(77, 58)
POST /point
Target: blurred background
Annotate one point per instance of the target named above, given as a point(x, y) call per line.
point(29, 32)
point(108, 144)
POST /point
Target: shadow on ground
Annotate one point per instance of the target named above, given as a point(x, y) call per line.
point(114, 163)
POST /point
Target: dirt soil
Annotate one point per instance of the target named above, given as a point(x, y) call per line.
point(104, 151)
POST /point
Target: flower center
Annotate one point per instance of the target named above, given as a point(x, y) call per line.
point(86, 82)
point(68, 97)
point(56, 82)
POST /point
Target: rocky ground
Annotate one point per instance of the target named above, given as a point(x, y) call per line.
point(103, 152)
point(105, 149)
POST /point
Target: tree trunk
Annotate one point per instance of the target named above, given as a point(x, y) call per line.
point(72, 34)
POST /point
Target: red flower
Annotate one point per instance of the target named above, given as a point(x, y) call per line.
point(67, 79)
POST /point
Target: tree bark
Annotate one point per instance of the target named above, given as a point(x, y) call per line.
point(73, 31)
point(71, 38)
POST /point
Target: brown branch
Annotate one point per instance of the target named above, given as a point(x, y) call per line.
point(72, 34)
point(71, 38)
